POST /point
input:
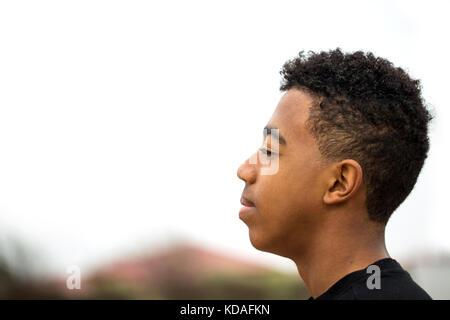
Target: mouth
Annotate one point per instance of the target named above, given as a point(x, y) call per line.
point(248, 207)
point(246, 203)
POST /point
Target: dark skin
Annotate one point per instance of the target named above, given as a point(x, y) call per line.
point(311, 211)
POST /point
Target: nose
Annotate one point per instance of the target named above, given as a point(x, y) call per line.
point(247, 172)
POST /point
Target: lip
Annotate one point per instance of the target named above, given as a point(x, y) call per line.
point(246, 203)
point(248, 207)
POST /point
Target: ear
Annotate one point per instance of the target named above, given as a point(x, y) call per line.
point(344, 183)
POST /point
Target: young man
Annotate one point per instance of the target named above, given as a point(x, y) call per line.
point(347, 142)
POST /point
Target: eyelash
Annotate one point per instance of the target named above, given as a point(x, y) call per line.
point(266, 152)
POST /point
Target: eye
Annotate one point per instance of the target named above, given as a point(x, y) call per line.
point(266, 152)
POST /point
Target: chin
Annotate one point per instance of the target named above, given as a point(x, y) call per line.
point(265, 243)
point(262, 243)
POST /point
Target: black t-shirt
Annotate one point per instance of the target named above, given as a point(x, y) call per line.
point(394, 283)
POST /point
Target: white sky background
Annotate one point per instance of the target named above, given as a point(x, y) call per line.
point(123, 123)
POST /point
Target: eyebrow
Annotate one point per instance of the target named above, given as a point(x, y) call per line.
point(268, 130)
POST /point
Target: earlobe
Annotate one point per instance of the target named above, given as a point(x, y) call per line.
point(345, 182)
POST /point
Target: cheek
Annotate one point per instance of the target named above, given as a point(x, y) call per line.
point(278, 209)
point(290, 197)
point(292, 187)
point(287, 206)
point(303, 182)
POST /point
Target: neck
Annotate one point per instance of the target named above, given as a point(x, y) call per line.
point(335, 253)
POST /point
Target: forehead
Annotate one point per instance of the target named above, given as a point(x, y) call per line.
point(291, 114)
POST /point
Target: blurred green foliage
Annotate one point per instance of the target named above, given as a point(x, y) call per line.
point(179, 281)
point(269, 285)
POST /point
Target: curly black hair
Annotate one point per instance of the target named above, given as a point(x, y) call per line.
point(367, 110)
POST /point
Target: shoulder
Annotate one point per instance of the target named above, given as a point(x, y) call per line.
point(385, 279)
point(394, 285)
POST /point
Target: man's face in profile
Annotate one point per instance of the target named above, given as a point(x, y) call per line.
point(285, 203)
